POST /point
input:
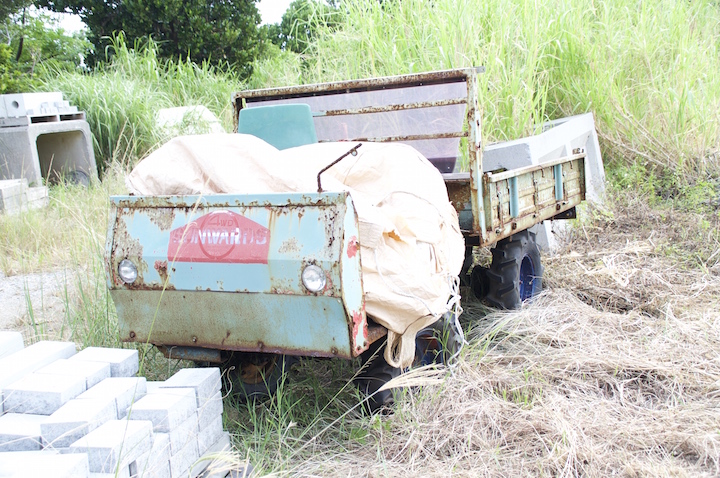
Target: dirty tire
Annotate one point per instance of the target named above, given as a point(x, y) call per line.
point(375, 373)
point(437, 343)
point(252, 376)
point(479, 282)
point(515, 274)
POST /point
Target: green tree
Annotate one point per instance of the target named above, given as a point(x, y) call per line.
point(10, 7)
point(12, 79)
point(219, 31)
point(29, 41)
point(300, 23)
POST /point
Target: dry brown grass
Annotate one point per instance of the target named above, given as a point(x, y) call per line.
point(614, 370)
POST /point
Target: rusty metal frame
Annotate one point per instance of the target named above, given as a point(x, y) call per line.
point(467, 75)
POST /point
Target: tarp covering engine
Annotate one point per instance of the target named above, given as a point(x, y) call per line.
point(411, 246)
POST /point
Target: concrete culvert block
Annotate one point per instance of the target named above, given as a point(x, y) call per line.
point(166, 410)
point(115, 444)
point(41, 394)
point(205, 381)
point(124, 390)
point(21, 432)
point(92, 372)
point(24, 464)
point(75, 419)
point(123, 362)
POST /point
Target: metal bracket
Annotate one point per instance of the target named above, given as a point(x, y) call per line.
point(352, 151)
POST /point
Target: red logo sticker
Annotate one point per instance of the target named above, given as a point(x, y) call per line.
point(220, 236)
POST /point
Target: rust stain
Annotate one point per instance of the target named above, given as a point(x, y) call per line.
point(162, 268)
point(126, 247)
point(162, 217)
point(329, 289)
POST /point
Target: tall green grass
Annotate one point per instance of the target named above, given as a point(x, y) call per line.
point(123, 97)
point(650, 72)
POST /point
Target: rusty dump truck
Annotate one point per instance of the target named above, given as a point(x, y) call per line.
point(213, 302)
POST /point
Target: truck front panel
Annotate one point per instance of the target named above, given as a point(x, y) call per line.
point(225, 272)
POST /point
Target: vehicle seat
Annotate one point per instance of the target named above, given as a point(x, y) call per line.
point(283, 126)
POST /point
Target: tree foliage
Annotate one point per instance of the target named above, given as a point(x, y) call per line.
point(30, 42)
point(10, 7)
point(300, 23)
point(219, 31)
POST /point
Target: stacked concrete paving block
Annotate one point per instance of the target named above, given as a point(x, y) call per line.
point(85, 414)
point(188, 409)
point(17, 196)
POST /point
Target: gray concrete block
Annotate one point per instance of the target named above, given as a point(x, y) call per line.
point(21, 432)
point(183, 433)
point(181, 461)
point(115, 444)
point(123, 473)
point(155, 463)
point(17, 365)
point(166, 410)
point(24, 464)
point(75, 419)
point(12, 195)
point(37, 197)
point(217, 461)
point(41, 394)
point(210, 410)
point(205, 381)
point(123, 362)
point(125, 390)
point(93, 372)
point(10, 342)
point(153, 386)
point(209, 435)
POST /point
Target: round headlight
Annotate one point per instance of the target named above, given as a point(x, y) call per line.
point(127, 271)
point(313, 278)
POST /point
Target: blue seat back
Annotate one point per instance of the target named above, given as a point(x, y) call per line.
point(283, 126)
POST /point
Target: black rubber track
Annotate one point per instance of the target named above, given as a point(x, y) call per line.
point(503, 277)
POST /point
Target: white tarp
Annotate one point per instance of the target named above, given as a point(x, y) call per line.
point(410, 241)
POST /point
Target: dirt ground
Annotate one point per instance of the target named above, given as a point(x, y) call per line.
point(34, 304)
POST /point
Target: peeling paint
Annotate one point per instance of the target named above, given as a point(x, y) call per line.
point(352, 247)
point(290, 245)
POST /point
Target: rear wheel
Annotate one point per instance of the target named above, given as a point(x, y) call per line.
point(256, 375)
point(515, 274)
point(438, 343)
point(375, 373)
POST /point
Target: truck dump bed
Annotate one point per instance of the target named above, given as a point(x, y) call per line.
point(438, 114)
